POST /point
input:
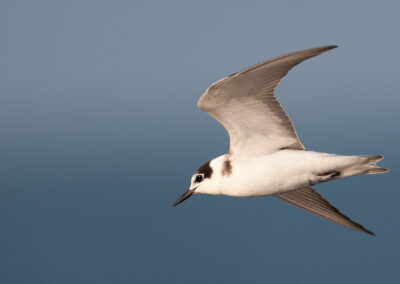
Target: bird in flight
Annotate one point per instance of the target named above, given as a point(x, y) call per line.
point(265, 155)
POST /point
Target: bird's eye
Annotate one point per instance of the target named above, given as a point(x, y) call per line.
point(199, 178)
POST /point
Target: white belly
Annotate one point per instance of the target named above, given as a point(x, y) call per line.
point(279, 172)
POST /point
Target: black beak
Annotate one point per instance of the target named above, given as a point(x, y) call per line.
point(184, 196)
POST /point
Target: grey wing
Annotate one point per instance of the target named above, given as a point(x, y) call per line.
point(245, 104)
point(311, 201)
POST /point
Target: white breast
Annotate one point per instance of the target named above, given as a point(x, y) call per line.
point(274, 173)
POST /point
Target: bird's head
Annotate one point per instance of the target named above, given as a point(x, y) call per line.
point(202, 181)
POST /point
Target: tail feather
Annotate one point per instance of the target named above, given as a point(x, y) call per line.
point(372, 167)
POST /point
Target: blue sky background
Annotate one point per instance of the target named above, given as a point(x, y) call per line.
point(100, 134)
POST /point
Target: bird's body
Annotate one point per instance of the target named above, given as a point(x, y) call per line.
point(265, 155)
point(281, 171)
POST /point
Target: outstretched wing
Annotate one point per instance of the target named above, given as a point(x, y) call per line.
point(311, 201)
point(244, 103)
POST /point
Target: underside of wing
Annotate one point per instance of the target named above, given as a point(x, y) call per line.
point(311, 201)
point(245, 104)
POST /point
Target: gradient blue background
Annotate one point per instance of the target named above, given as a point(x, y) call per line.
point(100, 133)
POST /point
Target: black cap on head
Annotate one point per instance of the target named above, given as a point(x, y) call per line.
point(206, 170)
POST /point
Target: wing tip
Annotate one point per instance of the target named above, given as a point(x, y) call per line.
point(321, 49)
point(362, 229)
point(332, 46)
point(329, 47)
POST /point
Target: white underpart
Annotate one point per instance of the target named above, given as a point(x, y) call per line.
point(279, 172)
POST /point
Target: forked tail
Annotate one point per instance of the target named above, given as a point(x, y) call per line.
point(347, 166)
point(371, 167)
